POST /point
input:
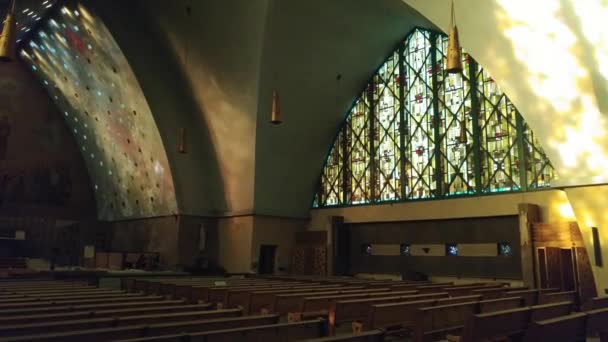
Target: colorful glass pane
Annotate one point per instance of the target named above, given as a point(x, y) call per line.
point(417, 132)
point(386, 130)
point(455, 126)
point(539, 171)
point(499, 149)
point(418, 102)
point(332, 191)
point(358, 156)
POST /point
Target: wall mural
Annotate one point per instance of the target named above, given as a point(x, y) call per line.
point(90, 80)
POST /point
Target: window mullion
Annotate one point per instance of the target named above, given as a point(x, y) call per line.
point(372, 146)
point(477, 136)
point(436, 117)
point(402, 178)
point(519, 129)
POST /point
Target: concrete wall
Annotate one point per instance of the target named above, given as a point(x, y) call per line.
point(280, 232)
point(307, 44)
point(198, 63)
point(235, 241)
point(42, 173)
point(146, 235)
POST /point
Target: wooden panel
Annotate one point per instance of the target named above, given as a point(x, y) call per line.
point(554, 274)
point(427, 250)
point(556, 234)
point(542, 267)
point(586, 282)
point(384, 249)
point(478, 249)
point(567, 263)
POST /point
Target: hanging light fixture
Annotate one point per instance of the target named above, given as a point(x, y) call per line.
point(275, 117)
point(454, 60)
point(7, 39)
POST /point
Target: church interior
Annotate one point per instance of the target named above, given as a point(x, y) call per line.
point(344, 170)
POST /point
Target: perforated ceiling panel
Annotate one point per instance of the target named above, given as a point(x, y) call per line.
point(85, 72)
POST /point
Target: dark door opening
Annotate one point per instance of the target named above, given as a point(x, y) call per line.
point(266, 259)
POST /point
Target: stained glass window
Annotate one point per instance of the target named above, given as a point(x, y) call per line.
point(416, 132)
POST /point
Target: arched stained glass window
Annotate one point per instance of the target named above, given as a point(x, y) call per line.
point(416, 132)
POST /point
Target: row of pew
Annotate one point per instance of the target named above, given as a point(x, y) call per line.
point(287, 309)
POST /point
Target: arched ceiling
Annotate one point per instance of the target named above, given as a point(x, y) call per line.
point(83, 69)
point(210, 67)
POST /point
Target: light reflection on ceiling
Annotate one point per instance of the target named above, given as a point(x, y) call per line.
point(90, 80)
point(29, 14)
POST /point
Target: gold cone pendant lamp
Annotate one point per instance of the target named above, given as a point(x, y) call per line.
point(454, 59)
point(276, 109)
point(7, 39)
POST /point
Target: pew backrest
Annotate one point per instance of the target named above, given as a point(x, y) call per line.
point(488, 326)
point(547, 311)
point(500, 304)
point(569, 328)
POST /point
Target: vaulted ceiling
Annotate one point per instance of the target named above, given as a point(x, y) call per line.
point(207, 69)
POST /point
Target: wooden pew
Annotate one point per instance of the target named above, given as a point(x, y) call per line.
point(398, 317)
point(131, 297)
point(597, 321)
point(243, 298)
point(219, 295)
point(367, 336)
point(29, 288)
point(569, 328)
point(266, 300)
point(494, 325)
point(459, 290)
point(52, 293)
point(497, 292)
point(552, 310)
point(510, 323)
point(595, 303)
point(61, 316)
point(107, 322)
point(531, 297)
point(25, 300)
point(171, 287)
point(499, 304)
point(323, 303)
point(136, 331)
point(283, 303)
point(433, 323)
point(280, 332)
point(200, 293)
point(554, 297)
point(353, 310)
point(146, 285)
point(146, 302)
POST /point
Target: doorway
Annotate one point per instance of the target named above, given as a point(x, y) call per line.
point(267, 259)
